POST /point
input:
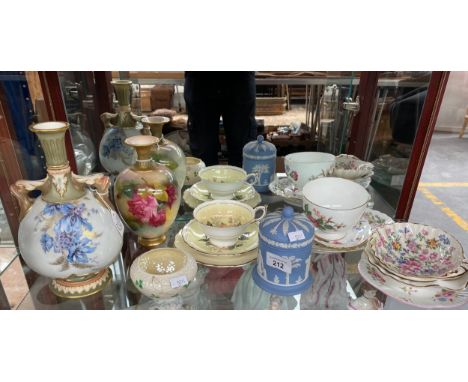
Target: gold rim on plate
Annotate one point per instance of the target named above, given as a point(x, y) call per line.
point(192, 202)
point(193, 228)
point(215, 261)
point(245, 193)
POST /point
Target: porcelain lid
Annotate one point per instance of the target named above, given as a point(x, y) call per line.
point(287, 227)
point(259, 149)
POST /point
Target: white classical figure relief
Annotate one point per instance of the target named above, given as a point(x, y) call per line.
point(261, 169)
point(260, 267)
point(295, 263)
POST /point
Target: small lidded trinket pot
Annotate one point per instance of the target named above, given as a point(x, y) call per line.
point(285, 248)
point(260, 157)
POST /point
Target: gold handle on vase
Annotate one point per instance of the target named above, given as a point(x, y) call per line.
point(106, 119)
point(20, 190)
point(100, 183)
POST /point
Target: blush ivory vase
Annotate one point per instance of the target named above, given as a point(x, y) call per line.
point(114, 155)
point(166, 152)
point(70, 233)
point(146, 194)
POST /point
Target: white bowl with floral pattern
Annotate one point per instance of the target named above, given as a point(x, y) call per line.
point(193, 166)
point(416, 250)
point(334, 206)
point(163, 272)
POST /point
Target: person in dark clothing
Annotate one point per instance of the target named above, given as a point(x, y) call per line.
point(209, 95)
point(405, 112)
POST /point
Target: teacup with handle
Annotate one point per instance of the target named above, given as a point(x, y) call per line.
point(224, 221)
point(223, 181)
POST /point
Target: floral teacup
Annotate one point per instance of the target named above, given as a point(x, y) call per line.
point(224, 221)
point(416, 250)
point(305, 166)
point(334, 206)
point(223, 181)
point(193, 166)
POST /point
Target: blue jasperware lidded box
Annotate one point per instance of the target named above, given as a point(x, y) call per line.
point(285, 249)
point(260, 157)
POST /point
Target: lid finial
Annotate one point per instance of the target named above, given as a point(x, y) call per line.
point(288, 212)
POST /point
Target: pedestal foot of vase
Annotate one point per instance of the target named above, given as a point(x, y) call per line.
point(77, 287)
point(153, 242)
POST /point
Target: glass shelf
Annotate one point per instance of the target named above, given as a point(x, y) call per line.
point(213, 288)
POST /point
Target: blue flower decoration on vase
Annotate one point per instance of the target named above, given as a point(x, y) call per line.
point(67, 232)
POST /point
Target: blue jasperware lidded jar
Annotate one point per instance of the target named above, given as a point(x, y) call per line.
point(260, 157)
point(285, 249)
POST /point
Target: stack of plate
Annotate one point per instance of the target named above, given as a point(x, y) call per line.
point(191, 239)
point(198, 194)
point(352, 168)
point(417, 265)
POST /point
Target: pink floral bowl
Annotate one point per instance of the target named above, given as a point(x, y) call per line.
point(416, 250)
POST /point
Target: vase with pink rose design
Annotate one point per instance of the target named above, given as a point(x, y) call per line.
point(147, 194)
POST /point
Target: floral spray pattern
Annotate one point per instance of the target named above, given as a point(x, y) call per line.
point(114, 147)
point(66, 231)
point(320, 221)
point(147, 205)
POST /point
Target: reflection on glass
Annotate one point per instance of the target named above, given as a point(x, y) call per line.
point(78, 92)
point(6, 237)
point(396, 113)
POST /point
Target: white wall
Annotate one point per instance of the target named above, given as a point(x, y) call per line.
point(454, 103)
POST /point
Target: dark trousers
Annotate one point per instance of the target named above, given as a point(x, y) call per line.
point(209, 95)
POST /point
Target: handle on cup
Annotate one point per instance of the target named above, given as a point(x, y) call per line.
point(249, 176)
point(370, 202)
point(263, 213)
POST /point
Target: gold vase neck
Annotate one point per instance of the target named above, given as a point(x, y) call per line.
point(155, 124)
point(143, 145)
point(123, 92)
point(156, 131)
point(61, 186)
point(52, 138)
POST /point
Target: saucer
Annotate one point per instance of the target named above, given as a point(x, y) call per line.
point(356, 236)
point(376, 218)
point(223, 261)
point(201, 193)
point(193, 202)
point(194, 236)
point(286, 189)
point(457, 282)
point(429, 297)
point(364, 182)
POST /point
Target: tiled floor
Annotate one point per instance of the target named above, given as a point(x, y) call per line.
point(442, 197)
point(14, 283)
